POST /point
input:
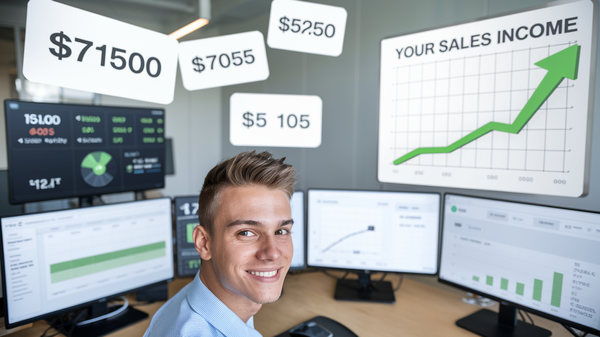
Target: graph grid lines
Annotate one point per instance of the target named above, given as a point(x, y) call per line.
point(438, 102)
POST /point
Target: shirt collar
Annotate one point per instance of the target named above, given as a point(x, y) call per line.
point(207, 305)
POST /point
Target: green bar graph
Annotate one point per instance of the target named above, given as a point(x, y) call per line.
point(190, 231)
point(556, 289)
point(520, 288)
point(537, 290)
point(489, 281)
point(475, 278)
point(93, 264)
point(504, 284)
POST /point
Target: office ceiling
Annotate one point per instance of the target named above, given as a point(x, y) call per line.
point(166, 12)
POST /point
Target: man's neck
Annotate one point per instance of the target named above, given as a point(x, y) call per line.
point(240, 305)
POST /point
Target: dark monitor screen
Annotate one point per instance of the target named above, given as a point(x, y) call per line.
point(63, 150)
point(186, 219)
point(373, 230)
point(543, 259)
point(59, 261)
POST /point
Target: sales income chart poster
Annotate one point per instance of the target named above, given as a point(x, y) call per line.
point(499, 104)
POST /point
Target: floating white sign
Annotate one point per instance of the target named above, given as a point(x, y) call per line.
point(72, 48)
point(275, 120)
point(223, 60)
point(307, 27)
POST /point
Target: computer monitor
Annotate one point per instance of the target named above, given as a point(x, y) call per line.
point(298, 233)
point(186, 219)
point(365, 231)
point(545, 260)
point(65, 150)
point(59, 261)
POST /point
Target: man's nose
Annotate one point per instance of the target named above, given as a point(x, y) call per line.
point(268, 249)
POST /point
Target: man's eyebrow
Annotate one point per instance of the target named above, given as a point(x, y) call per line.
point(286, 222)
point(258, 223)
point(246, 222)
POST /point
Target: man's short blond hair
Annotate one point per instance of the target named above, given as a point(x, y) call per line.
point(246, 168)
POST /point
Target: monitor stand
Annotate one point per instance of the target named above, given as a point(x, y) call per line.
point(364, 290)
point(88, 201)
point(106, 326)
point(502, 324)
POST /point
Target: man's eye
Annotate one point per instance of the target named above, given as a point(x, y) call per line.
point(282, 231)
point(246, 233)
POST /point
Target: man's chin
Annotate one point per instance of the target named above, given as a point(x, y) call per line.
point(266, 298)
point(267, 301)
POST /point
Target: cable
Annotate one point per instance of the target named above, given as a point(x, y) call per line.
point(50, 327)
point(75, 322)
point(522, 316)
point(382, 277)
point(399, 282)
point(109, 315)
point(531, 319)
point(61, 317)
point(332, 276)
point(569, 329)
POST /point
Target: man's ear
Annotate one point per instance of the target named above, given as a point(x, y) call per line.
point(202, 242)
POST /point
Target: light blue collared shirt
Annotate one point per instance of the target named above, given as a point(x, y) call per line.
point(196, 311)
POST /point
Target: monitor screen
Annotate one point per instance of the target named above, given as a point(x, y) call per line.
point(297, 204)
point(186, 219)
point(57, 261)
point(543, 259)
point(62, 150)
point(373, 230)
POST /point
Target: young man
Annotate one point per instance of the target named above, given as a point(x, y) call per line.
point(246, 248)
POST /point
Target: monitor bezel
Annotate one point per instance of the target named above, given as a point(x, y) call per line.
point(176, 246)
point(439, 241)
point(81, 305)
point(304, 232)
point(502, 300)
point(75, 195)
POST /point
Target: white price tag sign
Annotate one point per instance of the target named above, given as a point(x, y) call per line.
point(223, 60)
point(72, 48)
point(275, 120)
point(307, 27)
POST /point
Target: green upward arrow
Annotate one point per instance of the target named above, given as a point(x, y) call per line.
point(564, 63)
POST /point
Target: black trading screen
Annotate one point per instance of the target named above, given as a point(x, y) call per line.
point(186, 217)
point(63, 150)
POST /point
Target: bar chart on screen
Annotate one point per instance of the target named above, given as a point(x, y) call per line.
point(95, 255)
point(499, 104)
point(562, 286)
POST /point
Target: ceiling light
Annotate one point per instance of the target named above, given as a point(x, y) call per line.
point(204, 8)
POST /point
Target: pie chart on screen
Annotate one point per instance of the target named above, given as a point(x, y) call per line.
point(98, 169)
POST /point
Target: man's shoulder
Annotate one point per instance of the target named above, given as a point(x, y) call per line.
point(177, 318)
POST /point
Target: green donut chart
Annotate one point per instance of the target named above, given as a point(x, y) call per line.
point(96, 169)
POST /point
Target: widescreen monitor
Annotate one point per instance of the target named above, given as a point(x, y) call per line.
point(186, 219)
point(373, 231)
point(545, 260)
point(59, 261)
point(65, 150)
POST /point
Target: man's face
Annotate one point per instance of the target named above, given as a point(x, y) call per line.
point(251, 246)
